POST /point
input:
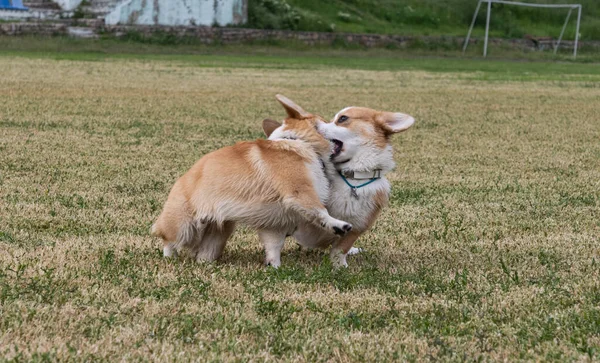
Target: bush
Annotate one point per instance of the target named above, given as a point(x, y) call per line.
point(272, 14)
point(278, 14)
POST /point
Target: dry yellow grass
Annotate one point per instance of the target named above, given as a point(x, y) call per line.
point(489, 250)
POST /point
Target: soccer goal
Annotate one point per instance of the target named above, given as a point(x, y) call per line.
point(571, 7)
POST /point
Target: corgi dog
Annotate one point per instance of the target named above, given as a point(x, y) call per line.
point(359, 190)
point(271, 185)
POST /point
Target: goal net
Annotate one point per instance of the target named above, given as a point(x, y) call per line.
point(571, 7)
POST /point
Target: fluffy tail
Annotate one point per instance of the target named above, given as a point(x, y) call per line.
point(154, 230)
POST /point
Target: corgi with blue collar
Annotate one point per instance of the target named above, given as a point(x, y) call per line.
point(361, 155)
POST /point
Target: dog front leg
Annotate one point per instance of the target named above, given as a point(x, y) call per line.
point(340, 249)
point(307, 204)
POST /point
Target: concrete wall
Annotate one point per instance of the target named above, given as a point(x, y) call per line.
point(208, 35)
point(179, 12)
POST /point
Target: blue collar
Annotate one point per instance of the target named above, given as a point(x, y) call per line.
point(354, 187)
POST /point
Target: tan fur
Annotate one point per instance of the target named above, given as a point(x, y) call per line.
point(370, 123)
point(381, 200)
point(265, 184)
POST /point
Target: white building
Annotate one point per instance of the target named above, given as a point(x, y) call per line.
point(140, 12)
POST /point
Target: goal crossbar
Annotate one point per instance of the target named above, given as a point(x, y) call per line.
point(533, 5)
point(571, 7)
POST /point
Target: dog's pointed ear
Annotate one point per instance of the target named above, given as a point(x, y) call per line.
point(395, 121)
point(292, 109)
point(269, 126)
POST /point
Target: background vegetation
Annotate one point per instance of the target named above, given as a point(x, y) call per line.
point(420, 17)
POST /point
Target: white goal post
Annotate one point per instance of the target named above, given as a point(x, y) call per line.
point(489, 11)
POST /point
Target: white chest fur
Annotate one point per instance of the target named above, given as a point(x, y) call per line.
point(357, 211)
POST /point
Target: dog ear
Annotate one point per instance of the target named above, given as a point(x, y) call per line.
point(269, 126)
point(292, 109)
point(395, 121)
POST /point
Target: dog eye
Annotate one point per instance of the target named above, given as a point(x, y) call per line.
point(342, 118)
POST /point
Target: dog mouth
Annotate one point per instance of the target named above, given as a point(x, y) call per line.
point(336, 148)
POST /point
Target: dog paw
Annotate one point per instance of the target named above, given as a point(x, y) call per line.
point(169, 252)
point(355, 251)
point(345, 228)
point(273, 264)
point(338, 259)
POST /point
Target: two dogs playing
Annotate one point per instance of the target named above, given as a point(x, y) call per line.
point(321, 182)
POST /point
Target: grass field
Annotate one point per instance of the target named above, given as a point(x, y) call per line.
point(489, 249)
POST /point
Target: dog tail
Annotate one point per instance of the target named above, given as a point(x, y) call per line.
point(154, 231)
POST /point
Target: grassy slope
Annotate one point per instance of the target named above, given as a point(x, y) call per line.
point(421, 17)
point(488, 250)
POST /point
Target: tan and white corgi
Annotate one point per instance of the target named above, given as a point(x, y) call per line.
point(362, 155)
point(272, 185)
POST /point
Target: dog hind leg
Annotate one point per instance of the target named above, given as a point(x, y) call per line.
point(273, 241)
point(169, 250)
point(211, 245)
